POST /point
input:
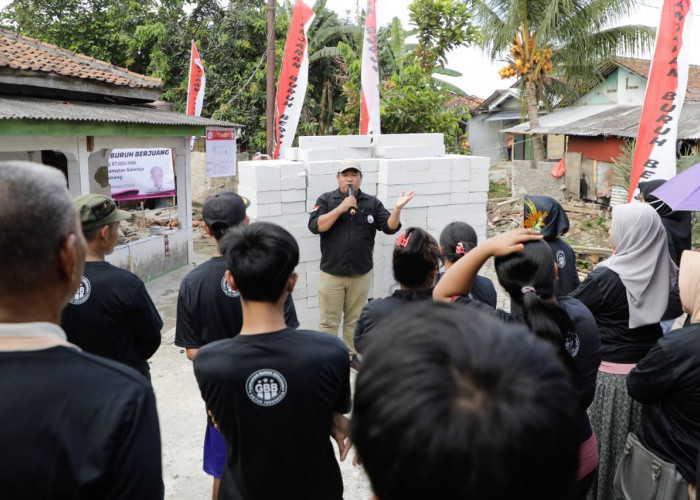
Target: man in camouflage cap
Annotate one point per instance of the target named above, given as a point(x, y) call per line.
point(112, 314)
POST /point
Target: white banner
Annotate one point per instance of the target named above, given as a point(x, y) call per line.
point(369, 113)
point(141, 173)
point(221, 152)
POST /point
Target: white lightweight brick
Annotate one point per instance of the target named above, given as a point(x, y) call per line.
point(309, 318)
point(407, 151)
point(312, 278)
point(447, 211)
point(480, 162)
point(312, 302)
point(459, 198)
point(297, 207)
point(262, 185)
point(394, 190)
point(370, 189)
point(334, 154)
point(311, 291)
point(393, 140)
point(291, 154)
point(293, 169)
point(290, 220)
point(411, 179)
point(461, 187)
point(300, 302)
point(310, 255)
point(293, 195)
point(415, 165)
point(461, 168)
point(368, 165)
point(480, 197)
point(430, 200)
point(301, 267)
point(369, 178)
point(479, 179)
point(409, 211)
point(333, 141)
point(298, 182)
point(315, 169)
point(259, 170)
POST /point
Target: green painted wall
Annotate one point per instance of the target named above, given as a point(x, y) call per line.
point(30, 128)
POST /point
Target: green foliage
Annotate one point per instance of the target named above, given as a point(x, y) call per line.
point(497, 190)
point(443, 25)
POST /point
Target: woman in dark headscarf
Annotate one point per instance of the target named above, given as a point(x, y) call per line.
point(677, 224)
point(546, 215)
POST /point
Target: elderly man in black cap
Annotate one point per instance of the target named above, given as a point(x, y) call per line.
point(112, 314)
point(347, 220)
point(208, 309)
point(74, 425)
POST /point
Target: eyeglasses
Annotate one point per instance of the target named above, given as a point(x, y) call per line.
point(103, 209)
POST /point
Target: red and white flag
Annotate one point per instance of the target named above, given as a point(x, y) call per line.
point(655, 151)
point(294, 78)
point(369, 113)
point(197, 82)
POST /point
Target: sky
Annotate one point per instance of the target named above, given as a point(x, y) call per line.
point(480, 75)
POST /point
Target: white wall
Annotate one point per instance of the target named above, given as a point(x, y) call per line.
point(448, 187)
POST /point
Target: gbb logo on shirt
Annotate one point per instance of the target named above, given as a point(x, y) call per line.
point(82, 293)
point(227, 288)
point(266, 387)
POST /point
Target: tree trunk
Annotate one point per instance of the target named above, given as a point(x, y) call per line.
point(532, 108)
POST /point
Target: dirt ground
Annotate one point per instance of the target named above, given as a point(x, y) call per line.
point(181, 409)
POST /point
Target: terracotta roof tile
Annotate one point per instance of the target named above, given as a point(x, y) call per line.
point(23, 53)
point(641, 67)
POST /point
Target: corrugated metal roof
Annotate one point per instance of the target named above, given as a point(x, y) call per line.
point(503, 116)
point(621, 121)
point(559, 118)
point(30, 108)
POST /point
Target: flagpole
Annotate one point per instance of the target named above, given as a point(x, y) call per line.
point(270, 115)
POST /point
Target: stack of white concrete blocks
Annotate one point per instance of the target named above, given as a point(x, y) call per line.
point(448, 187)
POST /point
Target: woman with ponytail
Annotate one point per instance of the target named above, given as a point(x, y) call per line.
point(526, 270)
point(415, 264)
point(455, 241)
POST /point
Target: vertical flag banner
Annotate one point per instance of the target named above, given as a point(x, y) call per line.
point(197, 82)
point(369, 113)
point(655, 151)
point(294, 78)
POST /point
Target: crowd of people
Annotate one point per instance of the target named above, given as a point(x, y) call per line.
point(582, 390)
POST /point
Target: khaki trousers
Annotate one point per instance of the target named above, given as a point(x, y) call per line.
point(346, 296)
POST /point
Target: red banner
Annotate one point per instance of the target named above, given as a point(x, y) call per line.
point(294, 78)
point(197, 82)
point(655, 151)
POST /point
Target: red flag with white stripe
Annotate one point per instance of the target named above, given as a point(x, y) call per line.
point(294, 78)
point(655, 151)
point(369, 114)
point(197, 82)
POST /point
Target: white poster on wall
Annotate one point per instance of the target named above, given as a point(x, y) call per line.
point(141, 173)
point(221, 152)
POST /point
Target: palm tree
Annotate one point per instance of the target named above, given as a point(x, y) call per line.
point(553, 47)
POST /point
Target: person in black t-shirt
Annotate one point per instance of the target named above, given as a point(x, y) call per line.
point(527, 271)
point(545, 214)
point(347, 223)
point(209, 310)
point(273, 391)
point(74, 425)
point(455, 241)
point(112, 314)
point(415, 264)
point(452, 404)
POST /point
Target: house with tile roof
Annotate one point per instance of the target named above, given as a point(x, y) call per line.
point(595, 129)
point(68, 110)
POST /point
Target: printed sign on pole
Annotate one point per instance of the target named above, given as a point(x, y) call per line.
point(221, 152)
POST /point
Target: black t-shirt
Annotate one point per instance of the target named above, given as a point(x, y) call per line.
point(667, 382)
point(346, 248)
point(606, 296)
point(565, 258)
point(209, 310)
point(273, 396)
point(112, 315)
point(378, 309)
point(76, 425)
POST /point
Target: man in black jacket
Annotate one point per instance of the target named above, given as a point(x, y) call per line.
point(347, 220)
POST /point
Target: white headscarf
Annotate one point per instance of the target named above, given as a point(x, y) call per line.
point(642, 261)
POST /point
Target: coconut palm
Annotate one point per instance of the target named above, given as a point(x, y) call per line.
point(553, 47)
